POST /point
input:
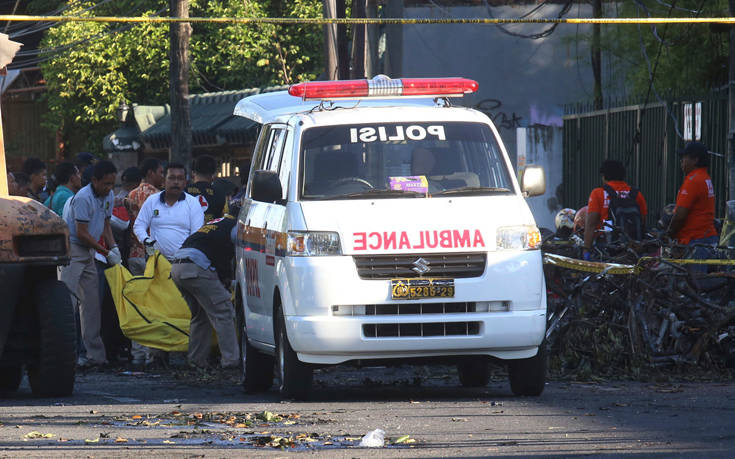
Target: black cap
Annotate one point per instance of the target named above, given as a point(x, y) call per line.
point(696, 150)
point(131, 174)
point(86, 157)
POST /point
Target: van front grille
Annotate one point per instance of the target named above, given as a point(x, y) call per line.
point(418, 330)
point(398, 309)
point(449, 265)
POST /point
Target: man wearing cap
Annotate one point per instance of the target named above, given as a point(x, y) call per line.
point(598, 205)
point(694, 216)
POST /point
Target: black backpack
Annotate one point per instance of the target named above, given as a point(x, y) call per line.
point(625, 213)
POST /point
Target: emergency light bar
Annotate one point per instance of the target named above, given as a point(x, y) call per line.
point(383, 87)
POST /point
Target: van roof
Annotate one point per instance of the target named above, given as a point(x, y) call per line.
point(266, 108)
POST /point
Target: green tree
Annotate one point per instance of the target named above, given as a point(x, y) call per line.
point(92, 67)
point(687, 58)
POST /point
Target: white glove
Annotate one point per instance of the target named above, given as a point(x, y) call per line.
point(150, 246)
point(114, 257)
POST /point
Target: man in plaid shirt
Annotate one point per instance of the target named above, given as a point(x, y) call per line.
point(152, 172)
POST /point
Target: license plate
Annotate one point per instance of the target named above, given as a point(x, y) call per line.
point(416, 289)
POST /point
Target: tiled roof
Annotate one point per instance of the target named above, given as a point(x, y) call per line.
point(212, 121)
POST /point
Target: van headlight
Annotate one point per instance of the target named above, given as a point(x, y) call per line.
point(312, 244)
point(523, 237)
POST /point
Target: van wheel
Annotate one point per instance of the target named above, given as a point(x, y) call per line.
point(10, 378)
point(474, 372)
point(528, 376)
point(295, 376)
point(257, 368)
point(53, 374)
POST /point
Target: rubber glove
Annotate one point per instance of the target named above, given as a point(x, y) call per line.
point(114, 257)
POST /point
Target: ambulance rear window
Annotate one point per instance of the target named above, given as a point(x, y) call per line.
point(395, 160)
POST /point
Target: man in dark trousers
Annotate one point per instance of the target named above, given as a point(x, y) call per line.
point(202, 270)
point(212, 198)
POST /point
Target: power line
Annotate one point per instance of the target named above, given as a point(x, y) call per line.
point(370, 21)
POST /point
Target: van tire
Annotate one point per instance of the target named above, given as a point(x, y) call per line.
point(257, 368)
point(295, 377)
point(528, 376)
point(474, 372)
point(53, 374)
point(10, 378)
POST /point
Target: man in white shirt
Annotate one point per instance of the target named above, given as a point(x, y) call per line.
point(167, 218)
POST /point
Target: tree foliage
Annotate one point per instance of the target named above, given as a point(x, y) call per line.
point(686, 58)
point(92, 67)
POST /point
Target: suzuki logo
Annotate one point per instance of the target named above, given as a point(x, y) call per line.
point(421, 266)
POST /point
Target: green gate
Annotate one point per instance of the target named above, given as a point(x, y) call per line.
point(651, 160)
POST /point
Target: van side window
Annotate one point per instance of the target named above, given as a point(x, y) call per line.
point(275, 149)
point(259, 153)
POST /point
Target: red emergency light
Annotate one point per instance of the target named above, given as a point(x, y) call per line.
point(384, 87)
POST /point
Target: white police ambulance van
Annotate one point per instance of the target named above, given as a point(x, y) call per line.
point(382, 223)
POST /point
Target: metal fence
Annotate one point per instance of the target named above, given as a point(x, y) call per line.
point(651, 160)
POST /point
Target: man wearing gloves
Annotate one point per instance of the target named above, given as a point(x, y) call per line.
point(167, 218)
point(88, 219)
point(202, 270)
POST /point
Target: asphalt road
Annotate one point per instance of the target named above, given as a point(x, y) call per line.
point(181, 413)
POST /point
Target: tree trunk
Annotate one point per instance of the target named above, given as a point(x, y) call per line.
point(180, 33)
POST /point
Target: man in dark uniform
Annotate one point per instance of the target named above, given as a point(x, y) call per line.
point(202, 270)
point(212, 199)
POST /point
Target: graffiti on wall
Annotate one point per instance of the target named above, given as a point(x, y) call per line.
point(502, 119)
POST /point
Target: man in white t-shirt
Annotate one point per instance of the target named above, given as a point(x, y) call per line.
point(167, 218)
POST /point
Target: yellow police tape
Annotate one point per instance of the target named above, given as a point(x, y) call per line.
point(376, 21)
point(622, 269)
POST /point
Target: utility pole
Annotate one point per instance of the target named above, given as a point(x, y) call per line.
point(731, 113)
point(343, 54)
point(596, 56)
point(357, 69)
point(180, 33)
point(330, 40)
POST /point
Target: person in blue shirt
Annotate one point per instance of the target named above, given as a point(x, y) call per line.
point(69, 182)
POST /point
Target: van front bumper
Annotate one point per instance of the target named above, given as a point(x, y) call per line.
point(333, 340)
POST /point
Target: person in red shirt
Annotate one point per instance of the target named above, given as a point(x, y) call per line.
point(613, 174)
point(694, 216)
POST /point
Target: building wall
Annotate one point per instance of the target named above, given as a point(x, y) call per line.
point(542, 145)
point(23, 134)
point(523, 82)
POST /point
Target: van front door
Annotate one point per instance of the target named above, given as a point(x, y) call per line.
point(264, 221)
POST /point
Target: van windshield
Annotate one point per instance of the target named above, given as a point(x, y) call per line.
point(401, 160)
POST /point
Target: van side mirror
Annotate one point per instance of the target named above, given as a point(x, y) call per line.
point(267, 187)
point(533, 180)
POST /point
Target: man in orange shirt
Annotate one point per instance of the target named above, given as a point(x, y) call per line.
point(694, 216)
point(598, 206)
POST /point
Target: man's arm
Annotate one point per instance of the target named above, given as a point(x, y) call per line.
point(87, 239)
point(590, 225)
point(143, 221)
point(107, 234)
point(678, 220)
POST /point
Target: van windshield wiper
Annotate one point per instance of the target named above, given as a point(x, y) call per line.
point(473, 190)
point(381, 193)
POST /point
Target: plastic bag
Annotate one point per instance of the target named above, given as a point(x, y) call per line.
point(374, 439)
point(150, 307)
